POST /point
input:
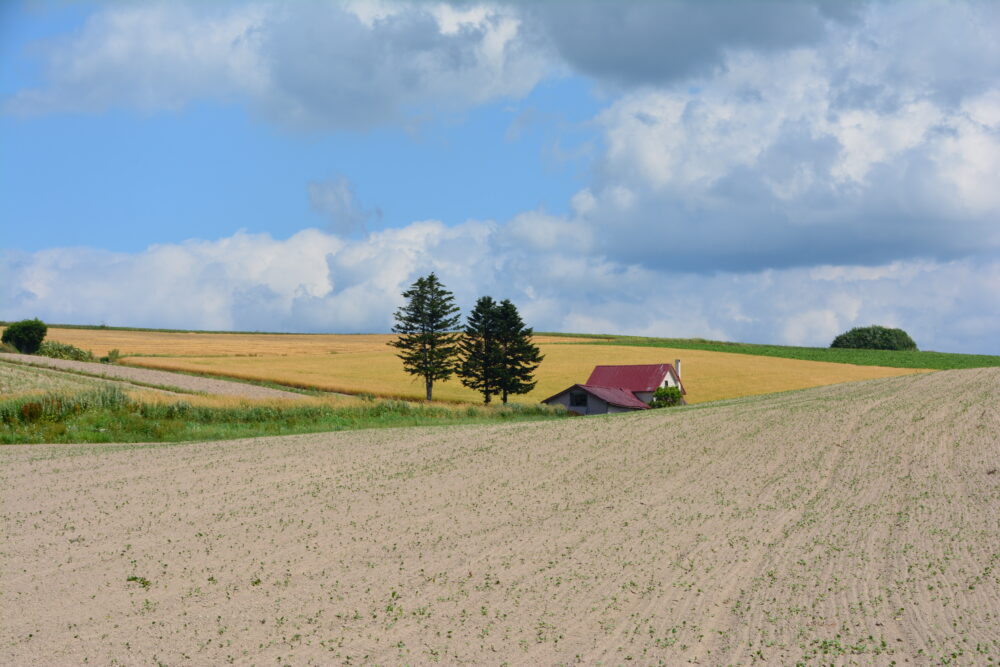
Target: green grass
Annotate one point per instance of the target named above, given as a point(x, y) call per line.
point(890, 358)
point(108, 415)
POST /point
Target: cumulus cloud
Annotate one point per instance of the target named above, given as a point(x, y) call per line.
point(317, 281)
point(151, 57)
point(660, 42)
point(779, 161)
point(311, 66)
point(336, 199)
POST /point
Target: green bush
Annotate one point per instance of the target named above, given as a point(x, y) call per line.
point(112, 357)
point(666, 397)
point(26, 335)
point(56, 350)
point(874, 338)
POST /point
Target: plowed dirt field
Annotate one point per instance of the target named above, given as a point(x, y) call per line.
point(851, 524)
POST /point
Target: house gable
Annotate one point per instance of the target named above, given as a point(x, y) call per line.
point(617, 388)
point(636, 377)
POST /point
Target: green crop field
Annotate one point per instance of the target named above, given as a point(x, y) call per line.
point(888, 358)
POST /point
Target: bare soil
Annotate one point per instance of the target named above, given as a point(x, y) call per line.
point(155, 377)
point(851, 524)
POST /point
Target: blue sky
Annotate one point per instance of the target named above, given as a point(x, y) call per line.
point(768, 172)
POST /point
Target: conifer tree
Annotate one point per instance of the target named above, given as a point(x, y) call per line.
point(519, 355)
point(481, 364)
point(428, 332)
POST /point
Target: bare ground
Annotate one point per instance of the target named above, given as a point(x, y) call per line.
point(154, 377)
point(852, 524)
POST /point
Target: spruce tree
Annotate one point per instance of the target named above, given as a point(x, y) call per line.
point(427, 326)
point(519, 356)
point(481, 364)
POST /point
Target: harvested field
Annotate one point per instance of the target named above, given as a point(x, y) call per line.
point(16, 379)
point(199, 344)
point(852, 524)
point(364, 363)
point(158, 378)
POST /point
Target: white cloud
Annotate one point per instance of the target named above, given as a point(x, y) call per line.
point(829, 153)
point(316, 281)
point(311, 66)
point(151, 57)
point(336, 199)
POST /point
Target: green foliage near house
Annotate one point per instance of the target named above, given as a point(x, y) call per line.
point(666, 397)
point(874, 338)
point(26, 335)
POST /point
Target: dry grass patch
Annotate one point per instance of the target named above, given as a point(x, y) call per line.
point(18, 380)
point(216, 401)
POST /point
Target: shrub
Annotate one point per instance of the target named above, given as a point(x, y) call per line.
point(666, 397)
point(874, 338)
point(26, 335)
point(56, 350)
point(112, 357)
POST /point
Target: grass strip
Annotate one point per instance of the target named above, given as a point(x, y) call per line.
point(304, 389)
point(108, 378)
point(109, 415)
point(886, 358)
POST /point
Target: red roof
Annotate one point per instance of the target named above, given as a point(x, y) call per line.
point(639, 377)
point(622, 398)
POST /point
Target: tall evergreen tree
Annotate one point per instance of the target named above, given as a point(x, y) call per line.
point(428, 332)
point(481, 364)
point(519, 355)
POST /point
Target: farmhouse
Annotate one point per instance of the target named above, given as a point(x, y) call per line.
point(618, 388)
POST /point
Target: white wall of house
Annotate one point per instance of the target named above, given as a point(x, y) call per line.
point(647, 396)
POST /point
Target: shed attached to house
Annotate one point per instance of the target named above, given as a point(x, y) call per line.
point(587, 400)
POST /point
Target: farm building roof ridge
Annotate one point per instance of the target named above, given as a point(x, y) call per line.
point(634, 377)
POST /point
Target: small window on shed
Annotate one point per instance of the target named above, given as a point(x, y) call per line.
point(578, 399)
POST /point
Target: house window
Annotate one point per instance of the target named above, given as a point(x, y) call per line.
point(578, 399)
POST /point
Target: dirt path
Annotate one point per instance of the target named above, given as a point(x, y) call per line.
point(164, 379)
point(849, 525)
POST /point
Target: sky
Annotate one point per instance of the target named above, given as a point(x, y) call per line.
point(766, 171)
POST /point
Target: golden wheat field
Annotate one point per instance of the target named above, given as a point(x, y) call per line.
point(365, 363)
